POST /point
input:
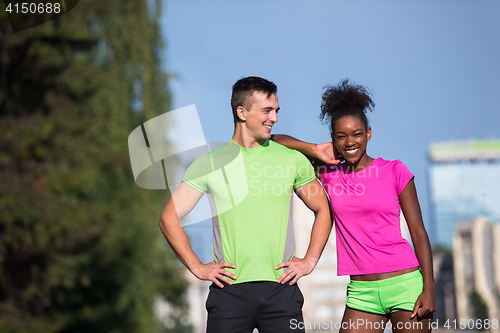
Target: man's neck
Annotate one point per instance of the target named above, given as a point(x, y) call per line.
point(242, 138)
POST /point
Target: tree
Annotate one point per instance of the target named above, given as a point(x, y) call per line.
point(80, 249)
point(479, 307)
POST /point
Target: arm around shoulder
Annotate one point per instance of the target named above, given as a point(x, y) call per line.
point(309, 149)
point(318, 154)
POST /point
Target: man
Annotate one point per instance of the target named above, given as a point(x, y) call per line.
point(249, 183)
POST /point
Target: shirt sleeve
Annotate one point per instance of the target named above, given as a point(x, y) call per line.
point(304, 170)
point(402, 176)
point(196, 175)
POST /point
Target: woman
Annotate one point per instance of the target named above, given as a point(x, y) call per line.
point(388, 279)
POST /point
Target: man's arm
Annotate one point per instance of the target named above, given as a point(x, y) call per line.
point(324, 152)
point(318, 154)
point(182, 201)
point(313, 195)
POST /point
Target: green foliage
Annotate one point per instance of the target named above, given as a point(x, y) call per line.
point(80, 247)
point(479, 307)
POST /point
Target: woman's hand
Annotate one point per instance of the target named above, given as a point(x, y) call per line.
point(426, 303)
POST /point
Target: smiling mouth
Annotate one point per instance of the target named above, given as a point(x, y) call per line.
point(267, 126)
point(351, 151)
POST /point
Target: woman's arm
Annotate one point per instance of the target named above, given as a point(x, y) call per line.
point(426, 302)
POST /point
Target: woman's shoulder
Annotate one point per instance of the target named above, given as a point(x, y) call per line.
point(394, 167)
point(389, 166)
point(380, 162)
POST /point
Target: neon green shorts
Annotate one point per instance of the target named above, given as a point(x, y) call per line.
point(387, 295)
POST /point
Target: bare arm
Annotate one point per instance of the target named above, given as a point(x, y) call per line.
point(315, 199)
point(319, 154)
point(306, 148)
point(426, 302)
point(179, 205)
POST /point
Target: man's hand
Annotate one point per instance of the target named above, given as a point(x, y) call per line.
point(327, 153)
point(214, 272)
point(297, 268)
point(426, 303)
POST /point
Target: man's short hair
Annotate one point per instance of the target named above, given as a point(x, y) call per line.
point(243, 91)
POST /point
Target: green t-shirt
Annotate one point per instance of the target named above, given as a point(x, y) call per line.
point(250, 195)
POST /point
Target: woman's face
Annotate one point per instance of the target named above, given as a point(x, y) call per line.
point(350, 138)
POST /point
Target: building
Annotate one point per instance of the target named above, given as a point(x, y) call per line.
point(464, 179)
point(444, 278)
point(476, 259)
point(196, 297)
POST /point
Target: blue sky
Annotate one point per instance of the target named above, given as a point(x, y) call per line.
point(433, 67)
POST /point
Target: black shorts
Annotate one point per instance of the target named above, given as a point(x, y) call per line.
point(270, 307)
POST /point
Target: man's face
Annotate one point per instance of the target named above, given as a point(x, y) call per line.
point(261, 116)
